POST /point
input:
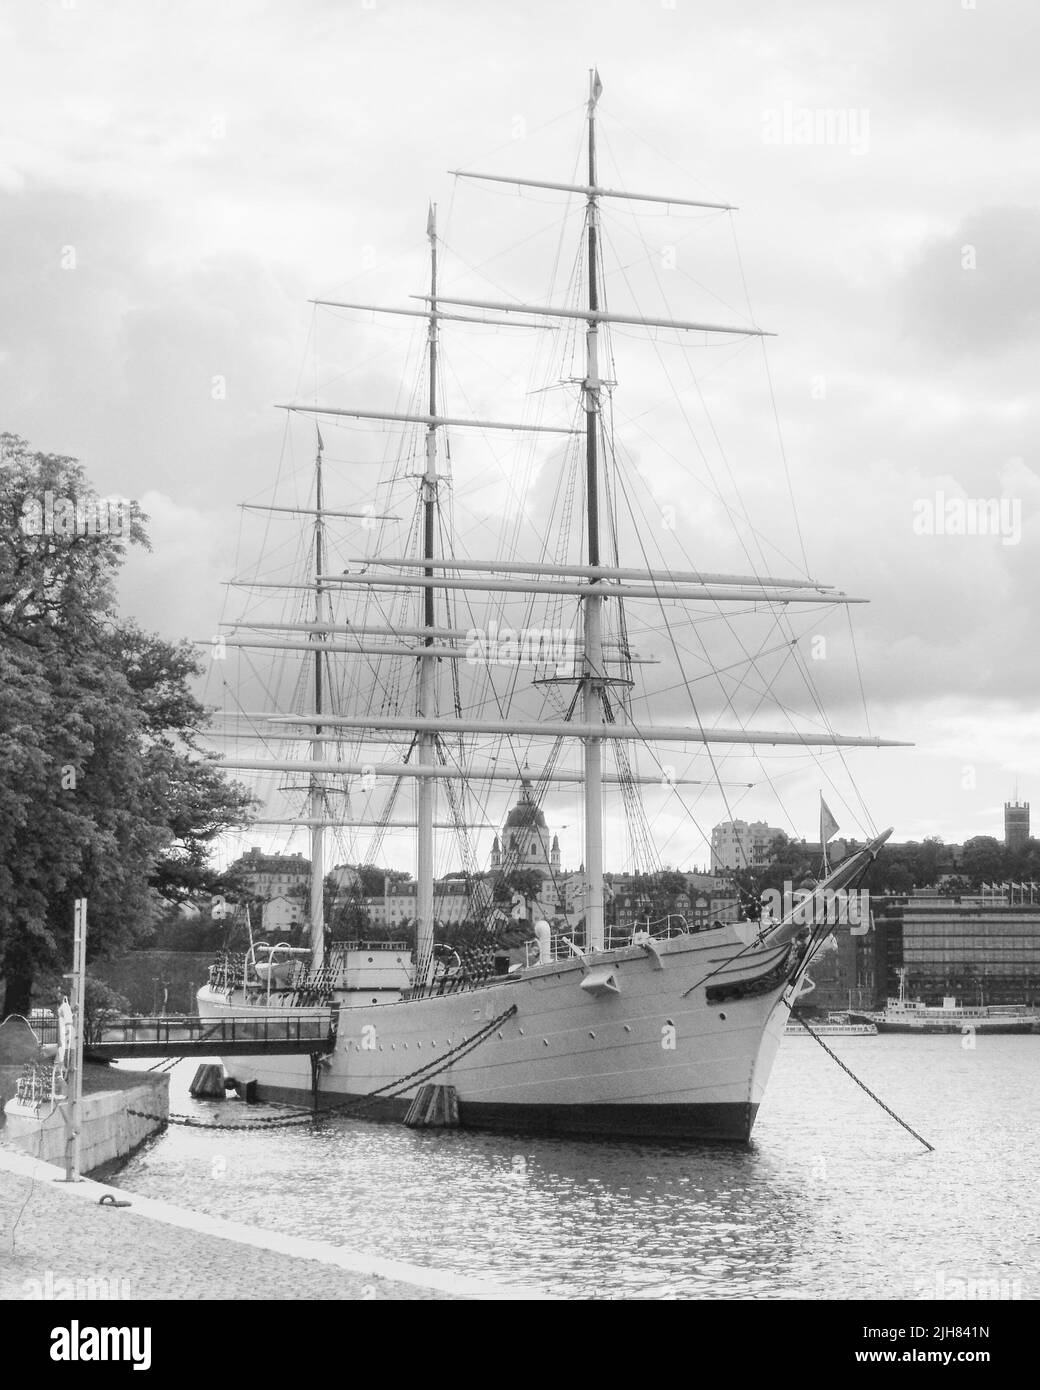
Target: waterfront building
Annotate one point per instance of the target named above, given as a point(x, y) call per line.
point(396, 906)
point(281, 915)
point(736, 844)
point(269, 875)
point(975, 947)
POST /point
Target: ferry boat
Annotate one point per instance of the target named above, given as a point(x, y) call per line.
point(834, 1026)
point(904, 1015)
point(606, 1032)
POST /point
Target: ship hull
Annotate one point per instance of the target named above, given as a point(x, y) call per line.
point(677, 1042)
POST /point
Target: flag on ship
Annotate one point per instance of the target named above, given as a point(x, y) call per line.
point(828, 825)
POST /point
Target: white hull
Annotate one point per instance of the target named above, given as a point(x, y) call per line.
point(644, 1060)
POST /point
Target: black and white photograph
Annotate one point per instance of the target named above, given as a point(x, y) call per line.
point(519, 668)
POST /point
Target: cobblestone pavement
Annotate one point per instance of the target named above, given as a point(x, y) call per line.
point(114, 1252)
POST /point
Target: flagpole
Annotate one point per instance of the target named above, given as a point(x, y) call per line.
point(823, 842)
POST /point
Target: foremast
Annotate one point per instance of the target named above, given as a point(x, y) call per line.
point(592, 686)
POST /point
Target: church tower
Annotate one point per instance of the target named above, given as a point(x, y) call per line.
point(525, 841)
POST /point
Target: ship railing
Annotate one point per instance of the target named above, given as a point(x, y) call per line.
point(660, 928)
point(355, 944)
point(228, 971)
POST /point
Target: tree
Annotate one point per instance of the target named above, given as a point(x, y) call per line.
point(984, 860)
point(102, 792)
point(527, 882)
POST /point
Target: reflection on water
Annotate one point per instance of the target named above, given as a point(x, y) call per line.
point(832, 1200)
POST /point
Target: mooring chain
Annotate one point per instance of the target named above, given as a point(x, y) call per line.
point(308, 1116)
point(861, 1084)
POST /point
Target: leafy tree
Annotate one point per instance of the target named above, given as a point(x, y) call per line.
point(102, 794)
point(984, 859)
point(524, 881)
point(101, 1004)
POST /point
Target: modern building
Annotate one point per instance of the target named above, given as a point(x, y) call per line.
point(976, 949)
point(973, 947)
point(735, 844)
point(1016, 824)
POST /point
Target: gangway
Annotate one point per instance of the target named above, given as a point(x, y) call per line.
point(283, 1034)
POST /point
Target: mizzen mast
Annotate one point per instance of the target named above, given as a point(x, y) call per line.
point(317, 830)
point(426, 705)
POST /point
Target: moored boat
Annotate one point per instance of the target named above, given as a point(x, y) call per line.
point(623, 1032)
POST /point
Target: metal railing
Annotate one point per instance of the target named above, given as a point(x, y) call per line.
point(287, 1026)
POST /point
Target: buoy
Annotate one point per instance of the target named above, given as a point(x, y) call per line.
point(209, 1082)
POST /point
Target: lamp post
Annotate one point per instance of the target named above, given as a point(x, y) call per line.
point(77, 979)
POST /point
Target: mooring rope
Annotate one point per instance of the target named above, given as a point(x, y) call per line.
point(437, 1064)
point(861, 1084)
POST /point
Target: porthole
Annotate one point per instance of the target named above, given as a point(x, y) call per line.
point(723, 1017)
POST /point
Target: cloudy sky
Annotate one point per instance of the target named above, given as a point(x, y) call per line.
point(178, 180)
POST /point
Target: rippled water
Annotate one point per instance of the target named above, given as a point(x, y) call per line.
point(832, 1200)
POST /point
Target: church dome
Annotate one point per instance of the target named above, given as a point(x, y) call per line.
point(525, 814)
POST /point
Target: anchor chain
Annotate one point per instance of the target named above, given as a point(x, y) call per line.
point(861, 1084)
point(438, 1064)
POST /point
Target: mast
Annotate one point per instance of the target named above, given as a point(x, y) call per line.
point(592, 692)
point(426, 706)
point(317, 883)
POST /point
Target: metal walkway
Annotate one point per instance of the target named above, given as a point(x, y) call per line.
point(262, 1035)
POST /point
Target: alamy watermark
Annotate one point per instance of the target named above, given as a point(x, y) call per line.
point(969, 516)
point(526, 646)
point(59, 1288)
point(55, 515)
point(959, 1286)
point(817, 125)
point(818, 907)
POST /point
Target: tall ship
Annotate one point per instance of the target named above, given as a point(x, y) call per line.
point(487, 638)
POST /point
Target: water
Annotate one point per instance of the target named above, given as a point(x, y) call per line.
point(832, 1200)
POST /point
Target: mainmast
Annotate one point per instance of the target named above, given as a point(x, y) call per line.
point(592, 690)
point(426, 707)
point(317, 884)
